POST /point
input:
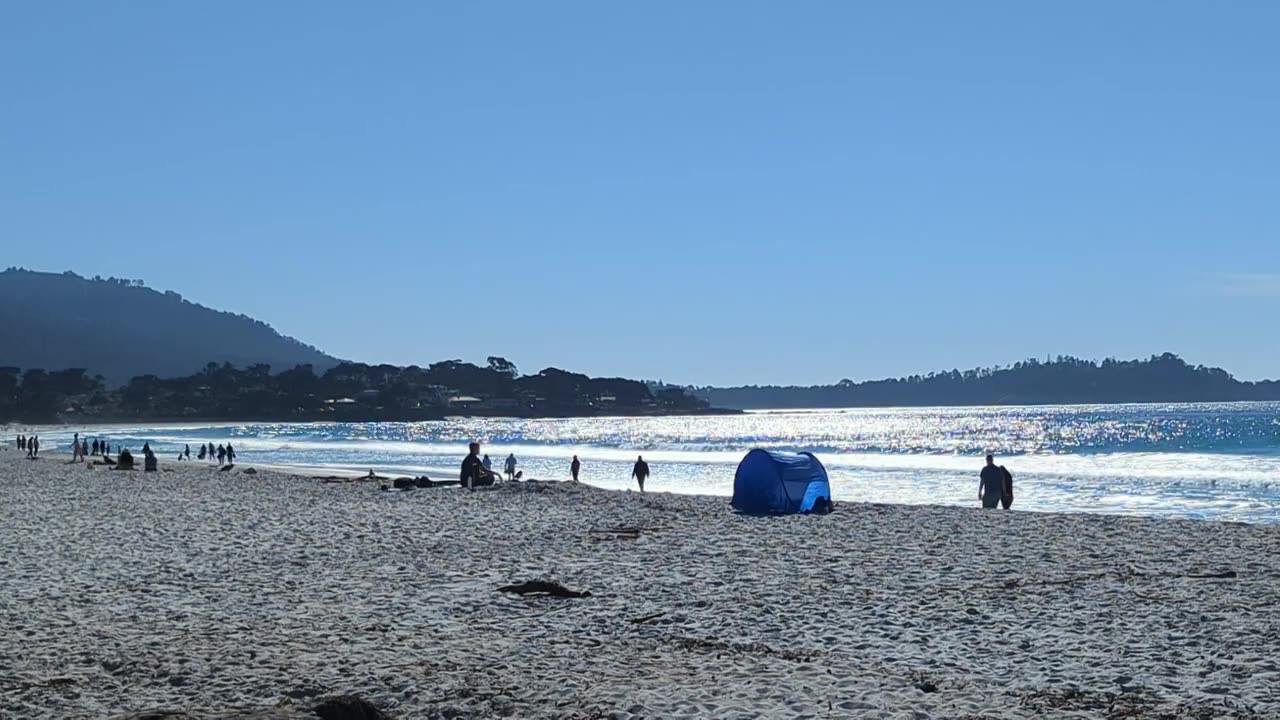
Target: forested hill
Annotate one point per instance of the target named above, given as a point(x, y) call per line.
point(119, 329)
point(1067, 380)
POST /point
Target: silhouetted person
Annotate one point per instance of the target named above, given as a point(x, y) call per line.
point(95, 446)
point(222, 454)
point(213, 454)
point(203, 449)
point(149, 462)
point(146, 449)
point(991, 484)
point(75, 448)
point(35, 446)
point(488, 464)
point(125, 461)
point(187, 453)
point(84, 449)
point(511, 466)
point(474, 472)
point(1006, 498)
point(231, 455)
point(640, 472)
point(574, 468)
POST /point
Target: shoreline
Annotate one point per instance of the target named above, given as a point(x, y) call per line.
point(192, 589)
point(1222, 487)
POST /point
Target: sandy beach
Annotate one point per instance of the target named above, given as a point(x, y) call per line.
point(218, 592)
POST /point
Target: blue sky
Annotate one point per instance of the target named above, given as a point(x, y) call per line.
point(709, 192)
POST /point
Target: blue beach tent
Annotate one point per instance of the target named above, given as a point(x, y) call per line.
point(769, 482)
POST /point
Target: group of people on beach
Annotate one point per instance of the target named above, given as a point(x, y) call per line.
point(82, 449)
point(478, 471)
point(222, 454)
point(29, 445)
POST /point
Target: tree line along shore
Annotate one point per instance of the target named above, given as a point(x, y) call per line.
point(352, 392)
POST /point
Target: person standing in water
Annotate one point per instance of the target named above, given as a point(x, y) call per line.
point(231, 455)
point(574, 468)
point(991, 485)
point(511, 466)
point(488, 464)
point(641, 471)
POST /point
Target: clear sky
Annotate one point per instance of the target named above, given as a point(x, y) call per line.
point(707, 192)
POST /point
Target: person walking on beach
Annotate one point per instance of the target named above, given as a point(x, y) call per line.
point(231, 455)
point(990, 484)
point(1006, 498)
point(473, 470)
point(222, 454)
point(187, 452)
point(511, 467)
point(574, 468)
point(95, 446)
point(75, 448)
point(641, 471)
point(213, 454)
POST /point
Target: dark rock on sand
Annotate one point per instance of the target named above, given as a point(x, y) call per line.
point(347, 707)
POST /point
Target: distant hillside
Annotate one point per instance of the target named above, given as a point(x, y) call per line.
point(1067, 380)
point(120, 329)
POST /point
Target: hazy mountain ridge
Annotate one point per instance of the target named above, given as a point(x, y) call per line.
point(120, 329)
point(1066, 380)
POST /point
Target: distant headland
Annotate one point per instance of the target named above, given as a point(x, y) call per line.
point(1065, 380)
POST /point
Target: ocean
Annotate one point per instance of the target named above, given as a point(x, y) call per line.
point(1208, 461)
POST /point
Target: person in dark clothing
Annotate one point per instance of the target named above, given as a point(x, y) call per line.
point(34, 444)
point(474, 473)
point(231, 455)
point(1006, 498)
point(574, 468)
point(203, 449)
point(990, 484)
point(640, 472)
point(186, 454)
point(222, 454)
point(95, 446)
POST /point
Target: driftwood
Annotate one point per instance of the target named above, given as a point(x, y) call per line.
point(645, 619)
point(346, 707)
point(1124, 574)
point(619, 533)
point(543, 587)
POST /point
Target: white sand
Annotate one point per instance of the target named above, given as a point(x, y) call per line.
point(195, 589)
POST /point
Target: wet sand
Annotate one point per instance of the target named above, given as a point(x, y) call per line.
point(192, 589)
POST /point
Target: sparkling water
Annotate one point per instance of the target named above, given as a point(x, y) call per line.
point(1219, 461)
